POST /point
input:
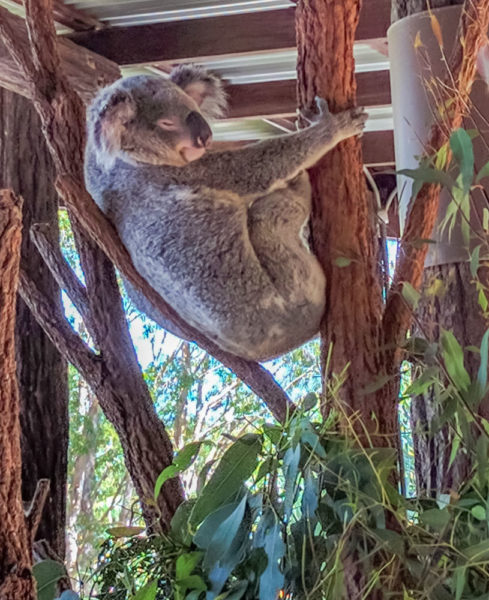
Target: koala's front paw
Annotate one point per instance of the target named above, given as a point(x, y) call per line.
point(350, 122)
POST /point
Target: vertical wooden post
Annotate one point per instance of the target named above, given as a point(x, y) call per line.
point(16, 581)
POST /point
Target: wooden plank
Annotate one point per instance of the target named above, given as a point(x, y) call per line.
point(71, 17)
point(86, 71)
point(216, 36)
point(378, 148)
point(278, 98)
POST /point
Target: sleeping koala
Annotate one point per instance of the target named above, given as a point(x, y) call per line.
point(221, 236)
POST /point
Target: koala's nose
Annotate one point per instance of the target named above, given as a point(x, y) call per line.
point(200, 132)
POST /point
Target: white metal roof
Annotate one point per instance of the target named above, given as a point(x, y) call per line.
point(139, 12)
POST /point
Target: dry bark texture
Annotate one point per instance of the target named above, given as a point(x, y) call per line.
point(16, 581)
point(343, 222)
point(25, 167)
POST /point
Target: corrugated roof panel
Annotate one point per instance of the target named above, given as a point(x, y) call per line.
point(142, 12)
point(228, 130)
point(276, 66)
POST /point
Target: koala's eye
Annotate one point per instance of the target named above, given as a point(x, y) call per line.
point(168, 124)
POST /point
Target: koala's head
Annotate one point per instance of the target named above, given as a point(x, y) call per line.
point(153, 120)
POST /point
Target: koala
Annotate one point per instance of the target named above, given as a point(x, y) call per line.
point(221, 236)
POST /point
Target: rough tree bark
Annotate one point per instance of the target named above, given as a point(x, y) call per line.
point(455, 309)
point(343, 220)
point(16, 581)
point(26, 168)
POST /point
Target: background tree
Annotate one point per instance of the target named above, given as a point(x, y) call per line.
point(450, 301)
point(26, 168)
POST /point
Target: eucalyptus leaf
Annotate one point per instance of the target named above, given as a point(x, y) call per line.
point(235, 467)
point(425, 174)
point(411, 295)
point(475, 260)
point(186, 563)
point(463, 152)
point(148, 592)
point(224, 535)
point(182, 461)
point(453, 357)
point(47, 573)
point(291, 469)
point(179, 523)
point(436, 518)
point(484, 172)
point(478, 552)
point(121, 532)
point(484, 352)
point(269, 537)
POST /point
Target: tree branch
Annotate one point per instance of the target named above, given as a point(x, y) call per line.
point(421, 220)
point(19, 54)
point(57, 328)
point(62, 272)
point(66, 142)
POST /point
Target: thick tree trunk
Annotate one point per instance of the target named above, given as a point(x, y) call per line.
point(344, 228)
point(26, 168)
point(455, 309)
point(343, 220)
point(16, 581)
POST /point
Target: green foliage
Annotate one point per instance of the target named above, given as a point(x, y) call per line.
point(47, 573)
point(286, 509)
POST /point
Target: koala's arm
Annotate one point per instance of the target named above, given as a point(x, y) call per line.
point(261, 167)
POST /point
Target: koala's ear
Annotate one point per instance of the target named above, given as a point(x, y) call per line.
point(204, 87)
point(108, 116)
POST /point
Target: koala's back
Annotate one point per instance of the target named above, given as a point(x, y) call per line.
point(192, 244)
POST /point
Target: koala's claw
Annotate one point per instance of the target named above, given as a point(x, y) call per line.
point(312, 115)
point(351, 122)
point(322, 106)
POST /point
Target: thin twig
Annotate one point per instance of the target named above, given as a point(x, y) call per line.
point(34, 513)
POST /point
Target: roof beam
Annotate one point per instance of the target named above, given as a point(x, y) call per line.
point(278, 98)
point(187, 40)
point(71, 17)
point(85, 70)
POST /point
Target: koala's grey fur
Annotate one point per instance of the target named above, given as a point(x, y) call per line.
point(222, 237)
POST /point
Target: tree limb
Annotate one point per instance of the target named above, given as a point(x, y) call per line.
point(421, 220)
point(54, 323)
point(61, 271)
